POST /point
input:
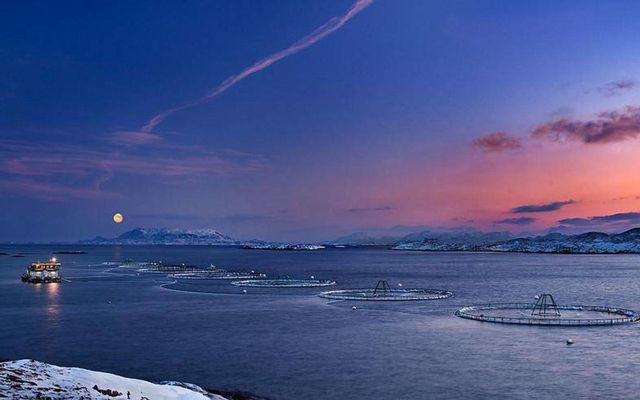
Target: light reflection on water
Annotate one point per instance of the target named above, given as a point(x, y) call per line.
point(52, 297)
point(52, 291)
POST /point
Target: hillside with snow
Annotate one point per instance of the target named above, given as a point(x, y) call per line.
point(585, 243)
point(192, 237)
point(29, 379)
point(444, 240)
point(151, 236)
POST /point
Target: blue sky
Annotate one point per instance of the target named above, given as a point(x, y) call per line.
point(389, 102)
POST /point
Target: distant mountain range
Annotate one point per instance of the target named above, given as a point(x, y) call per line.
point(166, 236)
point(365, 239)
point(463, 240)
point(585, 243)
point(192, 237)
point(439, 240)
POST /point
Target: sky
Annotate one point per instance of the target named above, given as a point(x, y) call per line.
point(308, 120)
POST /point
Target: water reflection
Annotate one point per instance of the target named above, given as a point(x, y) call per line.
point(52, 291)
point(116, 254)
point(53, 308)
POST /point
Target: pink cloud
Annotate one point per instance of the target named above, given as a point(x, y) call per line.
point(615, 88)
point(608, 127)
point(497, 142)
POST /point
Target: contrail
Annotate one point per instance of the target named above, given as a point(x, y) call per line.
point(320, 33)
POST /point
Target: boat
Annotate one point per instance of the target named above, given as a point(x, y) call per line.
point(43, 272)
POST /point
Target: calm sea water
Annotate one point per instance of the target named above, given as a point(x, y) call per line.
point(290, 344)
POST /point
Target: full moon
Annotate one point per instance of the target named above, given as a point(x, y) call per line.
point(118, 218)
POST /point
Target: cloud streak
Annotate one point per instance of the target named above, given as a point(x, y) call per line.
point(615, 88)
point(516, 221)
point(234, 218)
point(532, 208)
point(88, 162)
point(59, 170)
point(320, 33)
point(618, 219)
point(608, 127)
point(497, 142)
point(47, 191)
point(133, 138)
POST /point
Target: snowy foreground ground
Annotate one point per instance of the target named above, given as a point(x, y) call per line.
point(29, 379)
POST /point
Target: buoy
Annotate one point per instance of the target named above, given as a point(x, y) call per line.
point(313, 277)
point(244, 291)
point(569, 342)
point(400, 284)
point(354, 308)
point(536, 297)
point(253, 272)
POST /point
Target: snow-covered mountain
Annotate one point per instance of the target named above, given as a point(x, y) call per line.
point(467, 237)
point(461, 239)
point(589, 243)
point(365, 239)
point(29, 379)
point(191, 237)
point(585, 243)
point(141, 236)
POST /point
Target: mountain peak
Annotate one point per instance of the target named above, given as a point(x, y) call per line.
point(142, 236)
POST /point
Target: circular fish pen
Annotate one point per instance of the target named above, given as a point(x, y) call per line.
point(383, 292)
point(545, 312)
point(159, 268)
point(147, 265)
point(218, 274)
point(284, 282)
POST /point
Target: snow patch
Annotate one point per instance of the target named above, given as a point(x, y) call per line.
point(30, 379)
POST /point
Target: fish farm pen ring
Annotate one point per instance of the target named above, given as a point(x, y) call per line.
point(545, 312)
point(383, 292)
point(216, 275)
point(284, 283)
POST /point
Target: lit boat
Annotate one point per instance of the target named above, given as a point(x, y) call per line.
point(43, 272)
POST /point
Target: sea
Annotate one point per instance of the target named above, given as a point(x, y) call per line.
point(290, 344)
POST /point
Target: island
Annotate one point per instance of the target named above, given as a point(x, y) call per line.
point(280, 246)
